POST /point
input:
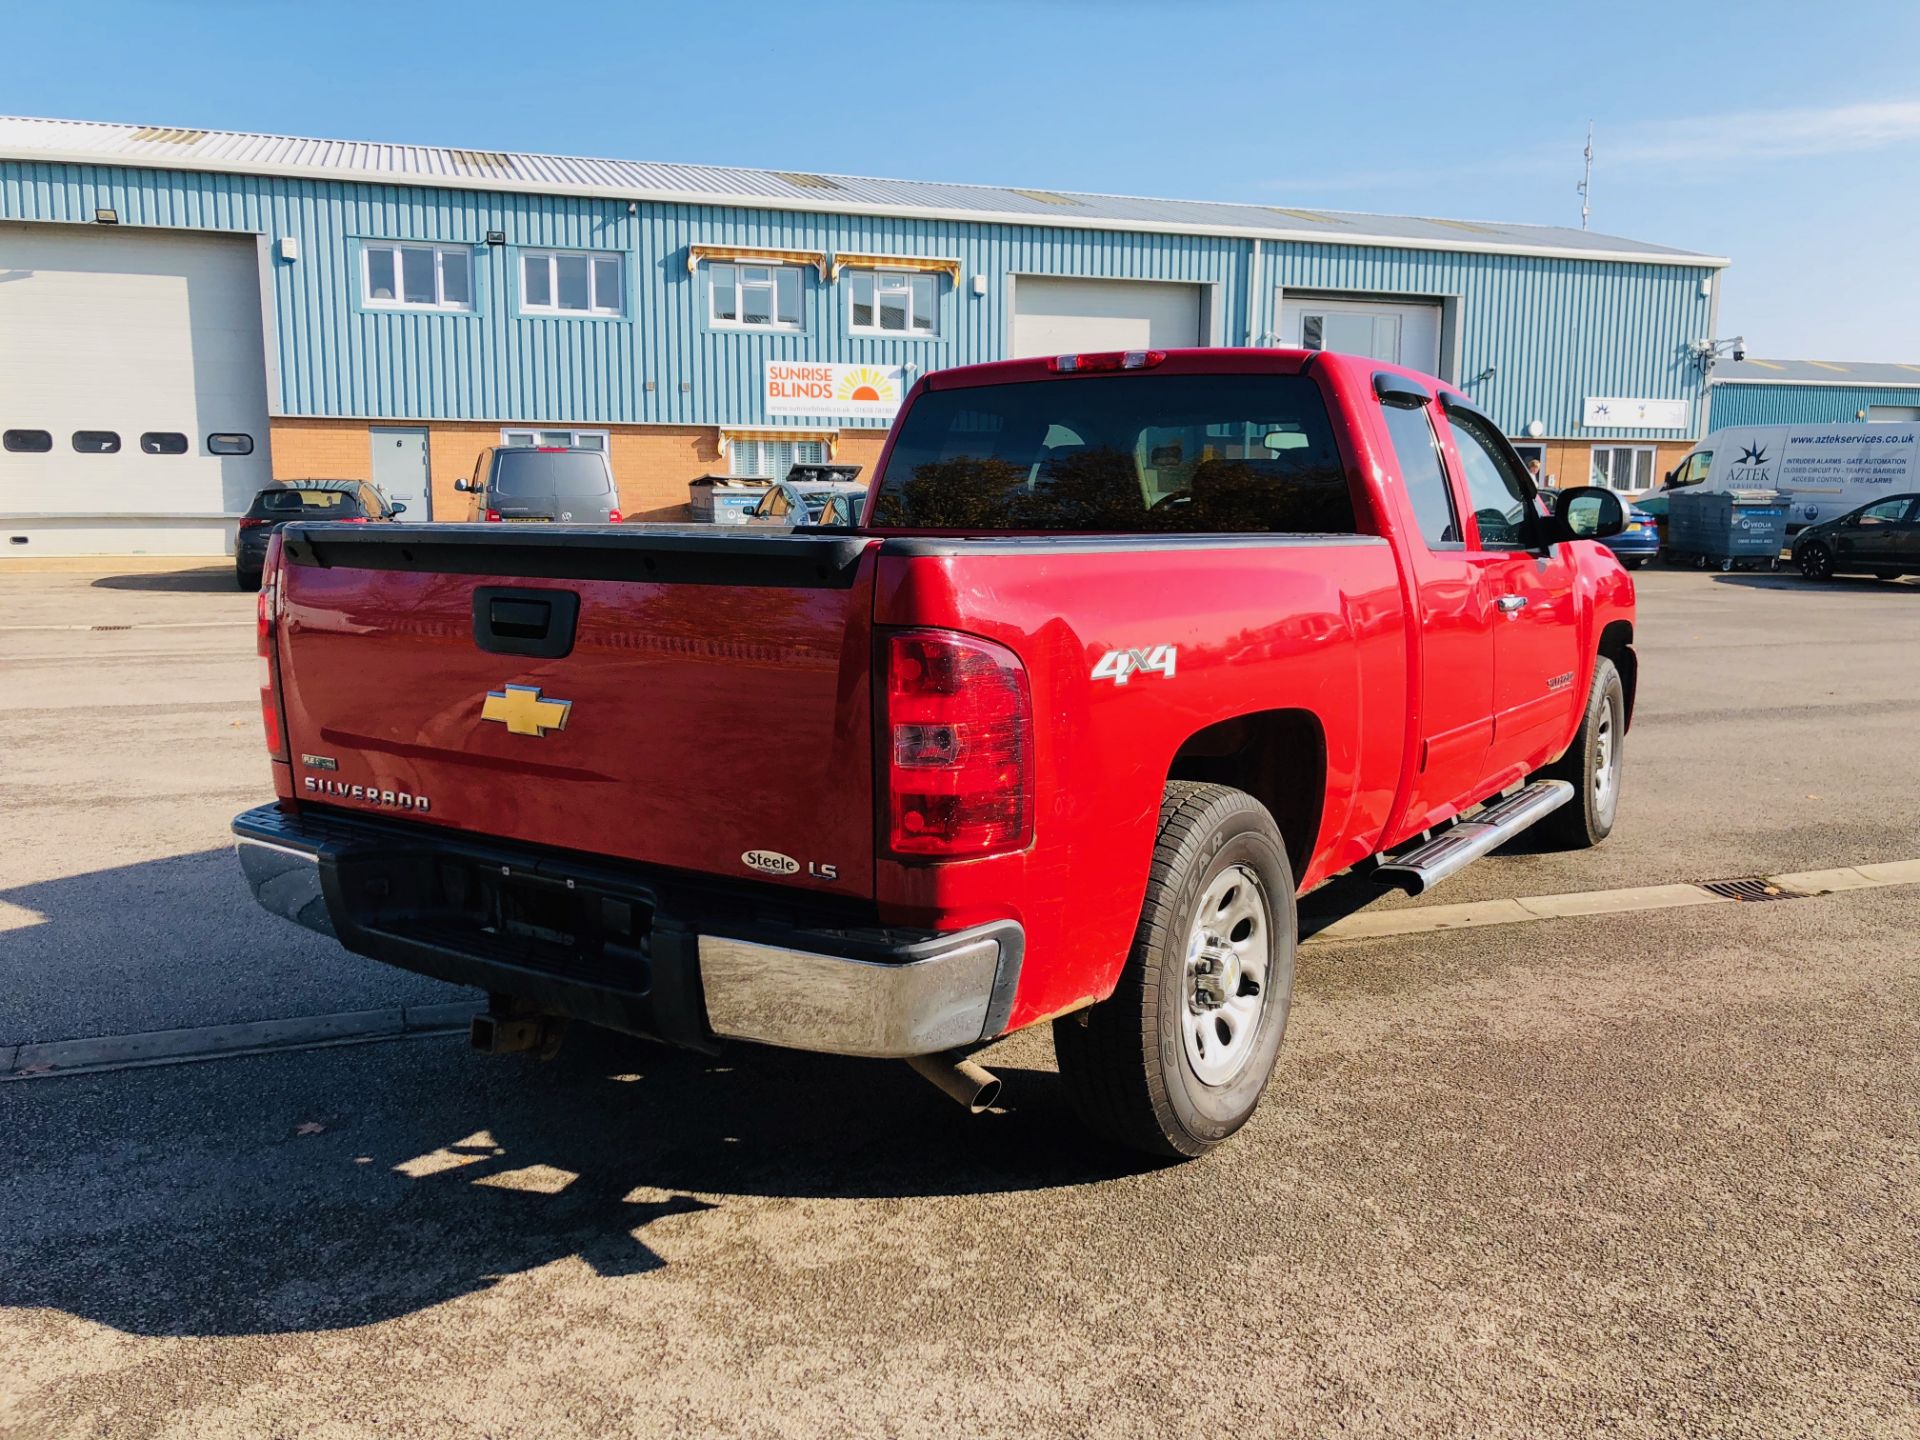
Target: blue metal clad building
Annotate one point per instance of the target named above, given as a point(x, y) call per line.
point(1535, 321)
point(1811, 392)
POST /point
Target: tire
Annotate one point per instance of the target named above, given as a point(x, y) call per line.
point(1634, 564)
point(1816, 561)
point(1592, 765)
point(1136, 1065)
point(247, 579)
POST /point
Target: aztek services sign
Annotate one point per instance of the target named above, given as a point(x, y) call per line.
point(802, 387)
point(1613, 411)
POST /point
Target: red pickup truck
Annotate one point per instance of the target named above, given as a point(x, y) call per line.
point(1130, 650)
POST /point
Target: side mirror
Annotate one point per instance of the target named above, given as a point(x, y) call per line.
point(461, 486)
point(1588, 512)
point(399, 507)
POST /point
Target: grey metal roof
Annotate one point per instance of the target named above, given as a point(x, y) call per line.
point(98, 143)
point(1814, 372)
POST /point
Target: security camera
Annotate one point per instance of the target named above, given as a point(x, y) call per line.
point(1739, 352)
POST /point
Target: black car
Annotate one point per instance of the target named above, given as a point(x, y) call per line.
point(1879, 539)
point(547, 483)
point(352, 500)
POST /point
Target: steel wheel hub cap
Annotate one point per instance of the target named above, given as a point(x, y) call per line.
point(1228, 955)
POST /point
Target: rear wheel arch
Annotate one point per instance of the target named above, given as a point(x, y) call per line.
point(1279, 757)
point(1616, 643)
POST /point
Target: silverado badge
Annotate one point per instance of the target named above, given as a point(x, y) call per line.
point(523, 712)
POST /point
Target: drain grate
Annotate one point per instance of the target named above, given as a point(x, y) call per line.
point(110, 627)
point(1754, 890)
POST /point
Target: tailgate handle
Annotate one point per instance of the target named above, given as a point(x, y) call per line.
point(509, 620)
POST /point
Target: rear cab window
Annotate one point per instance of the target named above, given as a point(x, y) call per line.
point(317, 504)
point(1134, 453)
point(564, 474)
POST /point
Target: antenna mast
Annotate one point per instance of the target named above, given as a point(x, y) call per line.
point(1585, 187)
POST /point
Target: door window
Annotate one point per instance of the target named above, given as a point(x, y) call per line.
point(1422, 472)
point(1887, 512)
point(1496, 490)
point(1623, 467)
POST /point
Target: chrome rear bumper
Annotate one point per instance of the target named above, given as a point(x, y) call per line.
point(685, 979)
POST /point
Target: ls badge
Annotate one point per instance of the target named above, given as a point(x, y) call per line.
point(523, 712)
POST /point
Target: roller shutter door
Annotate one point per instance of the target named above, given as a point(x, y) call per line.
point(152, 338)
point(1054, 316)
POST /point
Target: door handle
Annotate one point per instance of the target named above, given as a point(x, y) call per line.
point(1511, 604)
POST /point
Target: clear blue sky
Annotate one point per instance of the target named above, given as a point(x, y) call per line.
point(1786, 136)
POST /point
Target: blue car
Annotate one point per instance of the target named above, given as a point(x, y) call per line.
point(1639, 542)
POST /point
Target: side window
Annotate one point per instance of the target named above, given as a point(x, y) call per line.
point(1887, 512)
point(1421, 471)
point(776, 504)
point(1496, 492)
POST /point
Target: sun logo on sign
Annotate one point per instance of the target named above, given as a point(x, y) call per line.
point(864, 383)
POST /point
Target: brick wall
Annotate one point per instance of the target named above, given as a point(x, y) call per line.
point(652, 464)
point(1570, 462)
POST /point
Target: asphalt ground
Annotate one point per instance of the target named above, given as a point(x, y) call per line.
point(1639, 1174)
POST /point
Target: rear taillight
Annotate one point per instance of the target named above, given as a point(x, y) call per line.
point(493, 517)
point(1105, 360)
point(248, 522)
point(263, 644)
point(613, 517)
point(959, 732)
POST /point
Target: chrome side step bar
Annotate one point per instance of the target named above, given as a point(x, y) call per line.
point(1458, 846)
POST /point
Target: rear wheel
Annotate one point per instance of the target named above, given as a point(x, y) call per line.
point(1175, 1060)
point(1816, 561)
point(1592, 765)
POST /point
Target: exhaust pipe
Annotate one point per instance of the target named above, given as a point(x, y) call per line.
point(508, 1030)
point(960, 1079)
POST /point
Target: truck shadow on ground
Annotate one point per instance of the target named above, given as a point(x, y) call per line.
point(217, 579)
point(342, 1188)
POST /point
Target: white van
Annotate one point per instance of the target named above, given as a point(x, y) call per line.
point(1824, 470)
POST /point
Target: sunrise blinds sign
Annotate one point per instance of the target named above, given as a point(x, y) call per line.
point(842, 391)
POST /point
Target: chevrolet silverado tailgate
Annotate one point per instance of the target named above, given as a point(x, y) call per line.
point(689, 699)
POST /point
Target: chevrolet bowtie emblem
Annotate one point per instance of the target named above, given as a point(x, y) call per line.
point(523, 712)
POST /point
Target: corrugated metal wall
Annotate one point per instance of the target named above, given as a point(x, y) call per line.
point(1763, 404)
point(1557, 330)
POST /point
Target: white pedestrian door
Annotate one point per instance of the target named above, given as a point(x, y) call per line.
point(1399, 334)
point(400, 470)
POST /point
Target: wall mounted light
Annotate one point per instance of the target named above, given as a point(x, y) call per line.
point(979, 284)
point(496, 237)
point(106, 217)
point(1535, 429)
point(288, 248)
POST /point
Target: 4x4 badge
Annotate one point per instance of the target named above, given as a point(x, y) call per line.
point(521, 709)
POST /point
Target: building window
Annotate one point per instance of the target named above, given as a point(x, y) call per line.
point(96, 442)
point(772, 459)
point(164, 442)
point(893, 302)
point(754, 297)
point(28, 442)
point(527, 439)
point(229, 443)
point(570, 283)
point(1623, 467)
point(417, 277)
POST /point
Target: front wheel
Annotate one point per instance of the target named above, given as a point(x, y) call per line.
point(1175, 1060)
point(1816, 561)
point(1591, 765)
